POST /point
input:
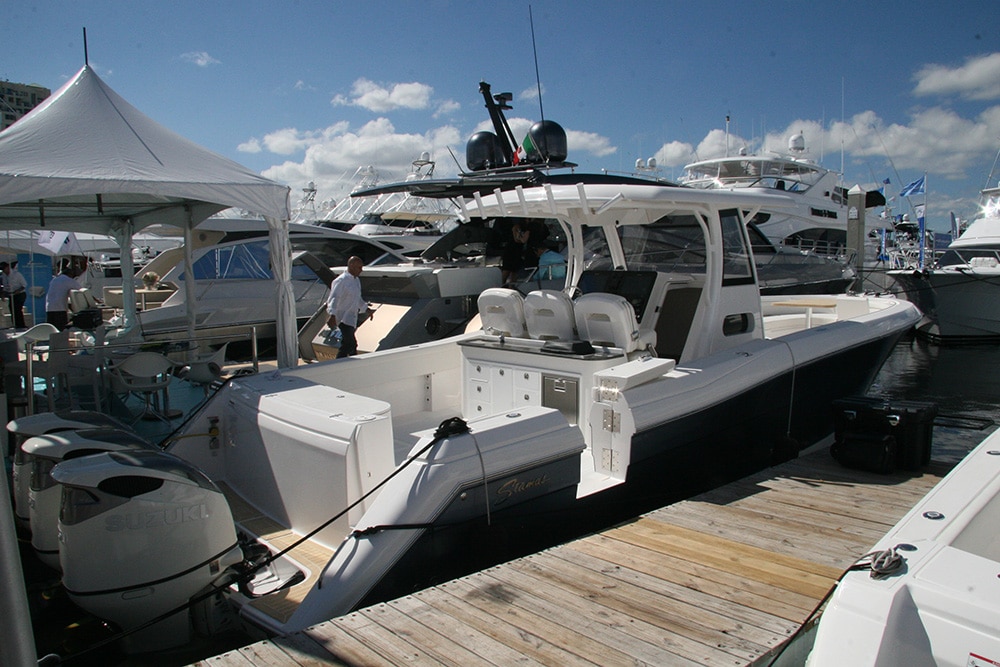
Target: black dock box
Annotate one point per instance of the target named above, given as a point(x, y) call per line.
point(880, 435)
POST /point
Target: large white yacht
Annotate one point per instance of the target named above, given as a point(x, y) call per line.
point(656, 371)
point(817, 220)
point(960, 294)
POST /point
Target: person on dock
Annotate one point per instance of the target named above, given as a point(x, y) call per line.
point(57, 296)
point(16, 289)
point(345, 304)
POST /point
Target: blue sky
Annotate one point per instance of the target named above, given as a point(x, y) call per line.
point(311, 90)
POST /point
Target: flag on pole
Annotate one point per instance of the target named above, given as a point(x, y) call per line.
point(914, 188)
point(59, 243)
point(526, 151)
point(919, 210)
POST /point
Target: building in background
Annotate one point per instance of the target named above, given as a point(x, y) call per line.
point(17, 99)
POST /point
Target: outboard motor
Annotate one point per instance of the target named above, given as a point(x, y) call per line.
point(141, 533)
point(44, 495)
point(22, 428)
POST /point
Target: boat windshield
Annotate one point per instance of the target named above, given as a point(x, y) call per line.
point(788, 175)
point(981, 257)
point(674, 243)
point(252, 261)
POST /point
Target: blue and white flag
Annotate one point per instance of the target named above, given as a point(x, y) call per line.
point(59, 243)
point(914, 188)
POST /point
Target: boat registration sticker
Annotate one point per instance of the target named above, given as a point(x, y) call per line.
point(980, 661)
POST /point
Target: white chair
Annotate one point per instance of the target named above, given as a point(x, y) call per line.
point(148, 374)
point(206, 371)
point(549, 315)
point(608, 320)
point(36, 335)
point(52, 370)
point(502, 312)
point(82, 299)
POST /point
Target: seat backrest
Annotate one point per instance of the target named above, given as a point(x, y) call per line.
point(549, 315)
point(37, 334)
point(81, 299)
point(607, 320)
point(502, 312)
point(145, 365)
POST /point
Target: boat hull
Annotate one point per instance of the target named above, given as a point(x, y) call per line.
point(958, 305)
point(940, 605)
point(745, 430)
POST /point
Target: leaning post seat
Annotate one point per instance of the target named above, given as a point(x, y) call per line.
point(608, 320)
point(549, 315)
point(501, 311)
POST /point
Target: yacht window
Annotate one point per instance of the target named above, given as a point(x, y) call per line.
point(674, 243)
point(737, 263)
point(336, 252)
point(243, 261)
point(965, 256)
point(596, 253)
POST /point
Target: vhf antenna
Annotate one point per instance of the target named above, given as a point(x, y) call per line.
point(538, 80)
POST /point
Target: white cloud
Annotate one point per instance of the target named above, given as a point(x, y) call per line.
point(447, 108)
point(381, 99)
point(333, 155)
point(977, 79)
point(530, 93)
point(252, 145)
point(199, 58)
point(302, 85)
point(675, 154)
point(588, 142)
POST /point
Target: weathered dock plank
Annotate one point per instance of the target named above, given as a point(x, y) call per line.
point(721, 579)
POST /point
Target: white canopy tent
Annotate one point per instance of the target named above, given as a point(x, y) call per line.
point(85, 160)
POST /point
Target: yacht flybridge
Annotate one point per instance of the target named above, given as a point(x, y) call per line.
point(657, 370)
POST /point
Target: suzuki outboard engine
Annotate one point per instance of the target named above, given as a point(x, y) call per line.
point(142, 532)
point(22, 428)
point(44, 495)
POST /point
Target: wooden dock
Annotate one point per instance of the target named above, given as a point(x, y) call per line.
point(724, 578)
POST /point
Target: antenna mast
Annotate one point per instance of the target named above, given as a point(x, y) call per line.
point(86, 60)
point(538, 80)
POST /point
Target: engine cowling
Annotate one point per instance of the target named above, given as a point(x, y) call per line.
point(43, 452)
point(140, 533)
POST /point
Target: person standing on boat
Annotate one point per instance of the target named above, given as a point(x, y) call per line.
point(344, 305)
point(57, 296)
point(16, 287)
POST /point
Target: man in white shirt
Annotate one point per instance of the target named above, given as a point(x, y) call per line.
point(344, 305)
point(17, 289)
point(57, 297)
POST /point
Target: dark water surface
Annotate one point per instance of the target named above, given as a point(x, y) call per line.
point(962, 380)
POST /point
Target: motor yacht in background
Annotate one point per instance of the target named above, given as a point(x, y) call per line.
point(234, 286)
point(959, 294)
point(400, 221)
point(817, 221)
point(657, 371)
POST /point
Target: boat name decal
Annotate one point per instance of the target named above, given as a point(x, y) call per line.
point(515, 486)
point(143, 520)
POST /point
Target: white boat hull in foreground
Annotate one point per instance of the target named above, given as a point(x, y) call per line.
point(942, 606)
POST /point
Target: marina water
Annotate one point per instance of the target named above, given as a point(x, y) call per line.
point(963, 381)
